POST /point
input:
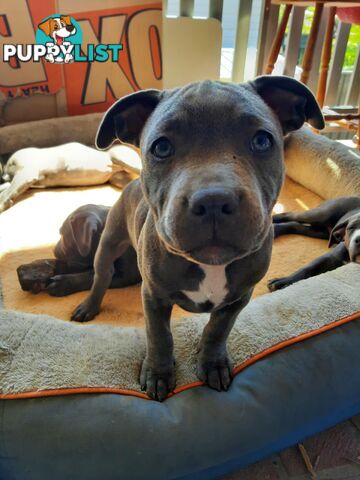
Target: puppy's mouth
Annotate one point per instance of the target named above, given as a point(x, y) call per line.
point(59, 40)
point(214, 254)
point(215, 251)
point(211, 254)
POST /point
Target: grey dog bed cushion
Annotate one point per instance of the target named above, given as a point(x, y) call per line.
point(276, 401)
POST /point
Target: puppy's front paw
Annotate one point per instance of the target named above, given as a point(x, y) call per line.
point(157, 381)
point(278, 283)
point(215, 371)
point(59, 286)
point(85, 312)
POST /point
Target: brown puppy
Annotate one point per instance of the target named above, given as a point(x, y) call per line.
point(72, 269)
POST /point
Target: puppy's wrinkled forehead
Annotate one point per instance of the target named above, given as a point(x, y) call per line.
point(277, 104)
point(212, 106)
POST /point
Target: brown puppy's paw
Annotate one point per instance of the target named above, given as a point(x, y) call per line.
point(158, 382)
point(59, 286)
point(215, 372)
point(85, 312)
point(278, 283)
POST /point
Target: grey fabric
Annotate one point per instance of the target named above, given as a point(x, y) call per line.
point(196, 434)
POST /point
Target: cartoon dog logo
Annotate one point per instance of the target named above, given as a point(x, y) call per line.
point(59, 29)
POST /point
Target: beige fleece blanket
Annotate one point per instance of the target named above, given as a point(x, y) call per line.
point(39, 353)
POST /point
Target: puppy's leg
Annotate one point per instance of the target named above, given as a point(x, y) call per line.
point(300, 229)
point(325, 214)
point(329, 261)
point(68, 283)
point(21, 182)
point(126, 273)
point(213, 365)
point(157, 375)
point(113, 243)
point(36, 276)
point(309, 216)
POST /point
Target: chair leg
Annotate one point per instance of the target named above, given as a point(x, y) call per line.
point(276, 45)
point(310, 46)
point(325, 57)
point(358, 129)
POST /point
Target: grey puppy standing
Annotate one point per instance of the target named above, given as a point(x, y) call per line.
point(199, 218)
point(337, 220)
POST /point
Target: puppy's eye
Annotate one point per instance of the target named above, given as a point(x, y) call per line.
point(162, 148)
point(261, 142)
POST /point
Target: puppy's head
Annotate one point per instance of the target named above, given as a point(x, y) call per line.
point(348, 231)
point(80, 232)
point(212, 159)
point(58, 28)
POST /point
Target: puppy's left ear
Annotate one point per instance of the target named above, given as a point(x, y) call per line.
point(291, 100)
point(66, 19)
point(338, 233)
point(126, 118)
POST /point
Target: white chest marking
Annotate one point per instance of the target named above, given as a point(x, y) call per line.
point(212, 287)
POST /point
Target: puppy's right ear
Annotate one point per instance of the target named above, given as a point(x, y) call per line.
point(126, 118)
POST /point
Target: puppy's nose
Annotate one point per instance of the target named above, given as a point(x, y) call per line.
point(70, 28)
point(214, 202)
point(357, 240)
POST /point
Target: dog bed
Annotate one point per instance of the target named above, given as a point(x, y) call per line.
point(294, 352)
point(277, 400)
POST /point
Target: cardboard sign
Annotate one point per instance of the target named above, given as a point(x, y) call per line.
point(115, 49)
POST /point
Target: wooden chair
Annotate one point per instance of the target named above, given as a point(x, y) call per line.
point(348, 11)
